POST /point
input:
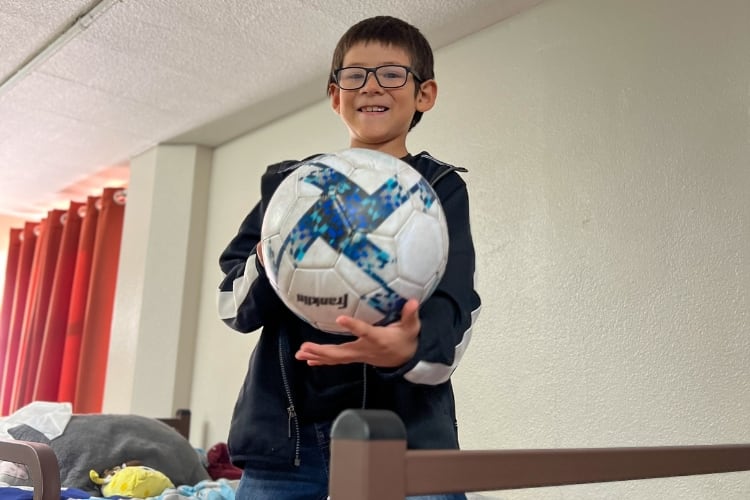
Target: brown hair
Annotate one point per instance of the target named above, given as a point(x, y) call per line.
point(388, 31)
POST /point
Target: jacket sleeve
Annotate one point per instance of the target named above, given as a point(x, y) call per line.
point(448, 316)
point(246, 298)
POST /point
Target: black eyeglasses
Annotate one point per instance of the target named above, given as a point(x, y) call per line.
point(389, 76)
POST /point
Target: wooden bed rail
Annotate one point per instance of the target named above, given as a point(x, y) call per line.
point(180, 422)
point(369, 461)
point(41, 462)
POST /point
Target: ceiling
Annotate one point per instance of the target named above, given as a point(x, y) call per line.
point(87, 84)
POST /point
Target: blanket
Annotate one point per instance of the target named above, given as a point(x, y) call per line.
point(102, 441)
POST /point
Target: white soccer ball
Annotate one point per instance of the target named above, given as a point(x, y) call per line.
point(355, 233)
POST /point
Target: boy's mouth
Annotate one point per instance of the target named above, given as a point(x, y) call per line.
point(373, 109)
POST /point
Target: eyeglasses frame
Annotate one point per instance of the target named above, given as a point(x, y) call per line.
point(374, 70)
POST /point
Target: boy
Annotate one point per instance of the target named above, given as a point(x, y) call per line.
point(299, 378)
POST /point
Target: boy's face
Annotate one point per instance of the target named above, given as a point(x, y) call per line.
point(379, 118)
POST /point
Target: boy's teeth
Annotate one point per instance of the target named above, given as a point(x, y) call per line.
point(373, 108)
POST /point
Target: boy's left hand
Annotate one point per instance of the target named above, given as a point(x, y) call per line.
point(387, 346)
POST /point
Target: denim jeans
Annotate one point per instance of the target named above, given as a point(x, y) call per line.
point(309, 481)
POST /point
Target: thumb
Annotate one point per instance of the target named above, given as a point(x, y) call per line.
point(410, 313)
point(259, 253)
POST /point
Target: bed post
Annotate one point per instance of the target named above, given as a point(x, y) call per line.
point(42, 464)
point(368, 453)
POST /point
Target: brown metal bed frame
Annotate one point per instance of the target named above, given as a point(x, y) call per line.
point(180, 422)
point(369, 461)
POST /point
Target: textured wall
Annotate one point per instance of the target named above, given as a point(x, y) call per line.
point(608, 145)
point(6, 224)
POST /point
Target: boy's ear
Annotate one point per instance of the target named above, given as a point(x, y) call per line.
point(426, 95)
point(335, 96)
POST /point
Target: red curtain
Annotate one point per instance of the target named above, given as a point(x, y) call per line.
point(101, 294)
point(53, 338)
point(57, 305)
point(43, 273)
point(6, 313)
point(78, 294)
point(17, 303)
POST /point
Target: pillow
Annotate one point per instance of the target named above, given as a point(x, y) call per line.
point(12, 474)
point(25, 432)
point(101, 441)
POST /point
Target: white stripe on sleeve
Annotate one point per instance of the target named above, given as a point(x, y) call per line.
point(430, 373)
point(229, 301)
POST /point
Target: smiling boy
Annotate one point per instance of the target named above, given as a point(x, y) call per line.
point(377, 117)
point(299, 378)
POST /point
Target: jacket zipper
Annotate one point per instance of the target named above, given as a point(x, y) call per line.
point(291, 412)
point(364, 386)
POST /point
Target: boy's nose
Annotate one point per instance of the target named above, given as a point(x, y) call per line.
point(371, 82)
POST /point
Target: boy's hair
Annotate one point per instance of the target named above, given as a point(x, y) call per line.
point(388, 31)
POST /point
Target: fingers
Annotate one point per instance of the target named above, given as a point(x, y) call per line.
point(410, 310)
point(311, 358)
point(409, 318)
point(324, 354)
point(356, 327)
point(259, 253)
point(387, 346)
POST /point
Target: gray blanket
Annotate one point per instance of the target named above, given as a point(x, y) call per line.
point(100, 442)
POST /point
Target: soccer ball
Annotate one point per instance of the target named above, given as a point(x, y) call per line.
point(355, 233)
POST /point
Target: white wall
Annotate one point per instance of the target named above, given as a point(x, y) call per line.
point(608, 143)
point(152, 342)
point(6, 224)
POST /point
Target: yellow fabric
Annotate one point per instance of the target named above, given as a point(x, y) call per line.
point(133, 481)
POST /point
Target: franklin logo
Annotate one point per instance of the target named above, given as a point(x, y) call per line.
point(308, 300)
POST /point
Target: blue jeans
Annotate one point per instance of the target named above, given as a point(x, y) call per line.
point(309, 481)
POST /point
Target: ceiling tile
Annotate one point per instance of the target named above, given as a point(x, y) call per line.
point(130, 74)
point(26, 27)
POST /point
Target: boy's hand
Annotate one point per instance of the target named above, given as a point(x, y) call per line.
point(259, 253)
point(387, 346)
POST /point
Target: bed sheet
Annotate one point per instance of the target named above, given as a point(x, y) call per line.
point(221, 489)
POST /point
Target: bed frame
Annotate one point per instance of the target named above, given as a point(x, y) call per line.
point(180, 422)
point(42, 462)
point(369, 461)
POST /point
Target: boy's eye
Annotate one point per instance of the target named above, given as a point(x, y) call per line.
point(351, 75)
point(392, 75)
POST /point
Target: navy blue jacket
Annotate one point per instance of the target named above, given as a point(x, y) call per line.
point(280, 393)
